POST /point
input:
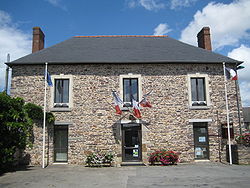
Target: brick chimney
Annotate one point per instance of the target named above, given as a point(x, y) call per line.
point(38, 39)
point(204, 40)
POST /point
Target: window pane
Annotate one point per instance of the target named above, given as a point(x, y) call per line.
point(65, 98)
point(126, 90)
point(194, 89)
point(201, 89)
point(61, 91)
point(134, 88)
point(58, 92)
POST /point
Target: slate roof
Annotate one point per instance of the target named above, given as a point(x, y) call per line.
point(123, 49)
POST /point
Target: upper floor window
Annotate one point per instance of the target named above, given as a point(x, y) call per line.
point(130, 85)
point(61, 93)
point(130, 89)
point(61, 96)
point(198, 91)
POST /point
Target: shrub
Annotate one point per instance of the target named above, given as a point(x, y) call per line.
point(243, 139)
point(99, 159)
point(16, 123)
point(164, 157)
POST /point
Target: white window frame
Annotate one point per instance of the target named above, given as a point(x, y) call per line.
point(207, 90)
point(130, 75)
point(52, 91)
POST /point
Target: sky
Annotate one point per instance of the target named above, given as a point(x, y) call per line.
point(229, 22)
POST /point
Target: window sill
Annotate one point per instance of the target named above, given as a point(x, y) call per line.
point(60, 109)
point(126, 108)
point(199, 107)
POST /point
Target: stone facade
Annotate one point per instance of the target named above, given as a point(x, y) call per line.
point(94, 126)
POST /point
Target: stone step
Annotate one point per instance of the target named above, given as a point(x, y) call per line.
point(133, 164)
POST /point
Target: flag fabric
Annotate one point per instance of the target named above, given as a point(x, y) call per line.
point(145, 103)
point(136, 109)
point(49, 81)
point(118, 103)
point(231, 74)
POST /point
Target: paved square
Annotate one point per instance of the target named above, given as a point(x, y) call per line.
point(181, 175)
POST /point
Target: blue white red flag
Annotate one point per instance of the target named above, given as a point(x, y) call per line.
point(118, 103)
point(136, 110)
point(231, 74)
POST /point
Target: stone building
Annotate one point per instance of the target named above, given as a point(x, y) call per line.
point(187, 96)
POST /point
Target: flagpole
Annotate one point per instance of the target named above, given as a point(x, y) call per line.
point(44, 114)
point(228, 128)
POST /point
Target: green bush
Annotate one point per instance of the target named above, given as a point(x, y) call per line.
point(16, 123)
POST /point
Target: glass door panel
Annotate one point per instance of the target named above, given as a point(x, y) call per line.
point(132, 144)
point(201, 149)
point(61, 144)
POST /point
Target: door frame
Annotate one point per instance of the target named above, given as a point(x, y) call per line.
point(60, 127)
point(138, 129)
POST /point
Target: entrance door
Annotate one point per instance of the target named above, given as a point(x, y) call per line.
point(201, 149)
point(61, 144)
point(131, 142)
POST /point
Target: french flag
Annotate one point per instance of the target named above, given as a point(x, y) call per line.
point(118, 103)
point(136, 109)
point(144, 103)
point(231, 74)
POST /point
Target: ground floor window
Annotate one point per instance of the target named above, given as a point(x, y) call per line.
point(61, 143)
point(201, 145)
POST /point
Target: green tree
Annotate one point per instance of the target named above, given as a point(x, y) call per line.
point(16, 122)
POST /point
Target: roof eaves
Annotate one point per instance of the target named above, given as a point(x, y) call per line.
point(127, 62)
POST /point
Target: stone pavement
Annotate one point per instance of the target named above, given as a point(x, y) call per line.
point(181, 175)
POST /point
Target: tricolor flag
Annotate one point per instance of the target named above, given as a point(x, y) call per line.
point(144, 103)
point(136, 109)
point(49, 81)
point(231, 74)
point(118, 103)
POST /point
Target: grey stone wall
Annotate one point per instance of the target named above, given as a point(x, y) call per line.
point(94, 122)
point(244, 154)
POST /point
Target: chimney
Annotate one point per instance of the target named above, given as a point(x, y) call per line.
point(204, 40)
point(38, 39)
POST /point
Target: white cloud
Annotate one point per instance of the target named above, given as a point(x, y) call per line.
point(243, 54)
point(12, 41)
point(229, 23)
point(57, 3)
point(174, 4)
point(162, 29)
point(151, 5)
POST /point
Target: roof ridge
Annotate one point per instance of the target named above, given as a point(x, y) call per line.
point(97, 36)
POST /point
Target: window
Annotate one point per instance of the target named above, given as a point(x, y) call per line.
point(198, 91)
point(61, 97)
point(130, 88)
point(61, 93)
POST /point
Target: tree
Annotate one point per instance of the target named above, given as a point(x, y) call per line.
point(16, 122)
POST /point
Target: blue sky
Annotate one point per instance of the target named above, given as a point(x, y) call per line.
point(179, 19)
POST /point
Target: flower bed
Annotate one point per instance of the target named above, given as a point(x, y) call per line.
point(99, 160)
point(243, 139)
point(163, 157)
